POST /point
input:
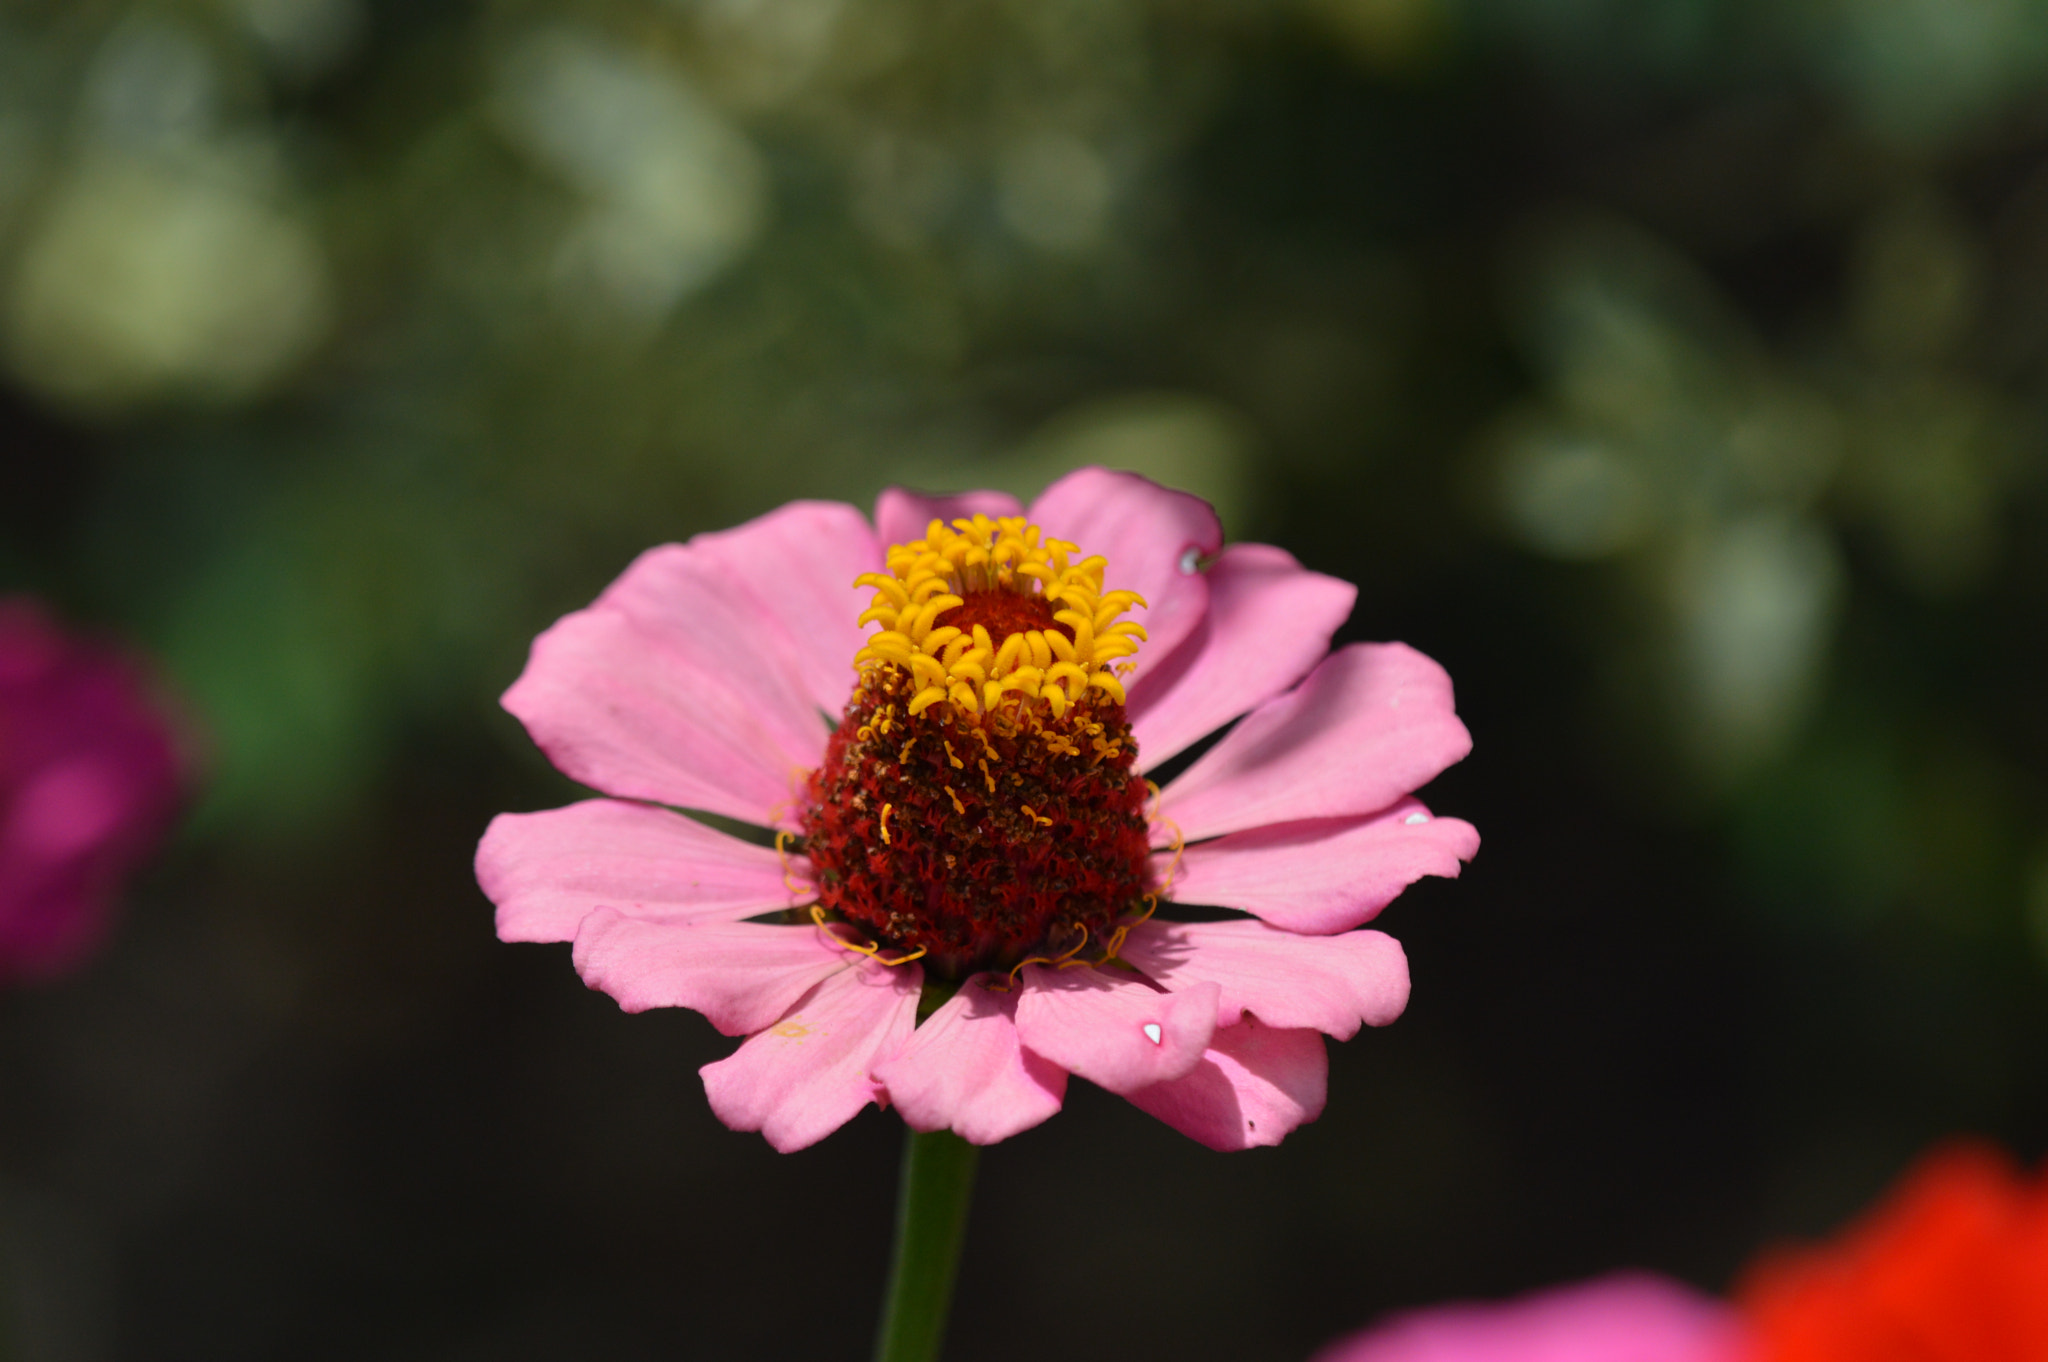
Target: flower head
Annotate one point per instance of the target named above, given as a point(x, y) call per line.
point(969, 893)
point(89, 780)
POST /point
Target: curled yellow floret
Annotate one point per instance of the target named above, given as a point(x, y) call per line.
point(1071, 637)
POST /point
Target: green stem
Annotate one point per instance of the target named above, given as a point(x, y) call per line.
point(931, 1220)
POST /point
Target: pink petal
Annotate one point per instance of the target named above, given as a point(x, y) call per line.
point(965, 1070)
point(901, 516)
point(1113, 1031)
point(1269, 620)
point(1154, 540)
point(548, 871)
point(638, 712)
point(1626, 1317)
point(774, 595)
point(709, 674)
point(1322, 874)
point(1370, 724)
point(742, 975)
point(812, 1072)
point(1254, 1085)
point(1328, 983)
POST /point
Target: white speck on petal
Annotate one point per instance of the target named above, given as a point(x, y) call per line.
point(1152, 1032)
point(1412, 819)
point(1191, 562)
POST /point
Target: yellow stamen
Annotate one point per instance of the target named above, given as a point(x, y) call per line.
point(783, 837)
point(885, 823)
point(1060, 961)
point(868, 948)
point(1180, 844)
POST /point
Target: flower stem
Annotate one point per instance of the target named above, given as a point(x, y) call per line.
point(931, 1220)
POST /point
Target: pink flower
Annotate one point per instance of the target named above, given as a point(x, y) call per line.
point(1628, 1317)
point(976, 830)
point(89, 780)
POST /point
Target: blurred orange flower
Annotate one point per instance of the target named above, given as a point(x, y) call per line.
point(1951, 1267)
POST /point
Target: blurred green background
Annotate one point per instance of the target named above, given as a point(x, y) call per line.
point(1672, 370)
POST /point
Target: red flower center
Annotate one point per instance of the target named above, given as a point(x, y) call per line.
point(1002, 613)
point(978, 803)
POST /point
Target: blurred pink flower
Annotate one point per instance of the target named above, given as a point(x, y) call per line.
point(968, 786)
point(89, 781)
point(1628, 1317)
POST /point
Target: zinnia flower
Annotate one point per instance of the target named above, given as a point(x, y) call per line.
point(1951, 1267)
point(1628, 1317)
point(961, 817)
point(89, 780)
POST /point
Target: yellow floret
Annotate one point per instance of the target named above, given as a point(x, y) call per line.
point(972, 671)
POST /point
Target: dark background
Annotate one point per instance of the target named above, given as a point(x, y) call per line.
point(1671, 370)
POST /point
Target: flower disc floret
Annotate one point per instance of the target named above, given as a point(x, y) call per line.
point(987, 614)
point(977, 803)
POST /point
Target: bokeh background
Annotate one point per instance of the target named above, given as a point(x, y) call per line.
point(1672, 370)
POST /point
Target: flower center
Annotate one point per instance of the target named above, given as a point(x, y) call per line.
point(977, 802)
